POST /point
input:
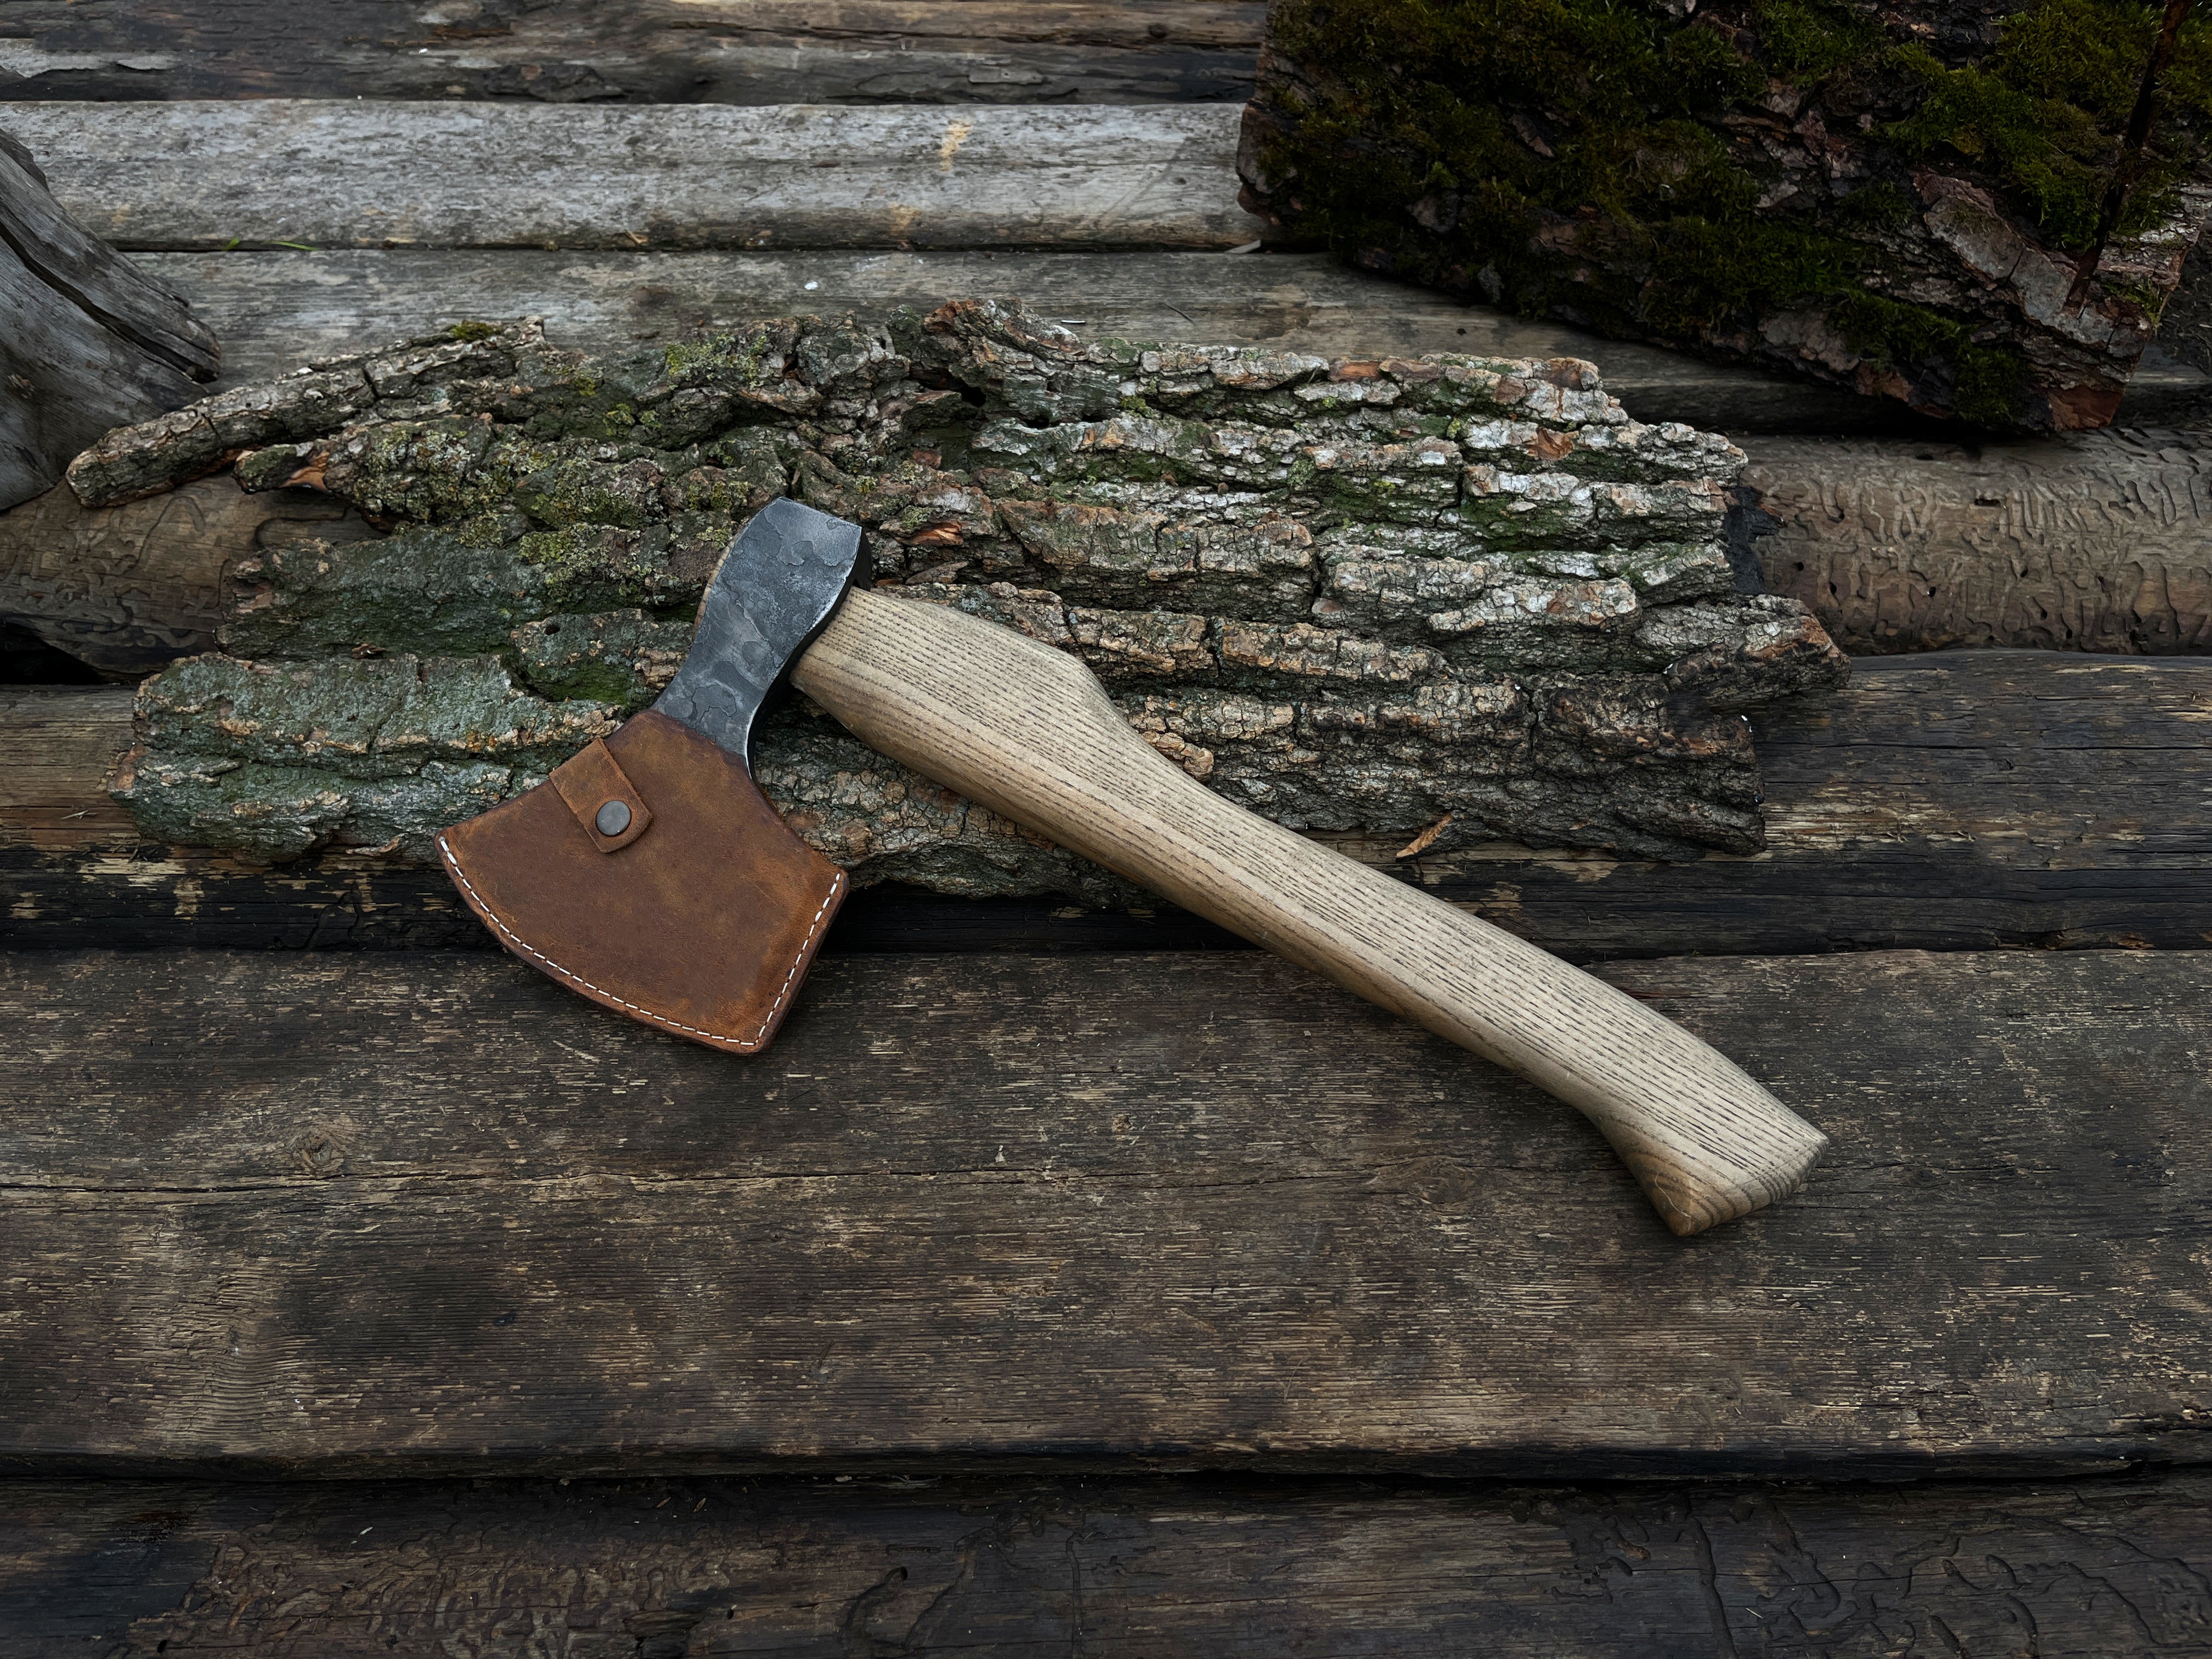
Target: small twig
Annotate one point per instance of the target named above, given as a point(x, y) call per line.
point(2132, 152)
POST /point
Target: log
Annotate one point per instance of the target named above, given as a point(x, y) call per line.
point(935, 1564)
point(1451, 598)
point(195, 175)
point(671, 52)
point(349, 1214)
point(1962, 801)
point(278, 309)
point(132, 587)
point(2093, 544)
point(87, 340)
point(1931, 204)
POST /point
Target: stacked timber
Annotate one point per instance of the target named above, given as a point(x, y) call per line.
point(1056, 1284)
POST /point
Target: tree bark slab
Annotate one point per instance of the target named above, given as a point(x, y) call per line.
point(350, 1213)
point(926, 1564)
point(1967, 801)
point(1451, 597)
point(1939, 205)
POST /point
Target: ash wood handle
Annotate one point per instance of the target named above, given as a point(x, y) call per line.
point(1028, 731)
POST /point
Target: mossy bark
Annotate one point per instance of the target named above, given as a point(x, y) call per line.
point(1449, 599)
point(1898, 198)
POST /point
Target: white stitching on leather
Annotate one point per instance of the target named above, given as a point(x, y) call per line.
point(836, 887)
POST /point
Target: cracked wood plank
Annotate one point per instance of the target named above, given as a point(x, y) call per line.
point(87, 339)
point(677, 52)
point(196, 174)
point(348, 1213)
point(928, 1564)
point(278, 309)
point(1965, 800)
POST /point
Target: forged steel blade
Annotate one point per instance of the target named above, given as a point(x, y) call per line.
point(771, 594)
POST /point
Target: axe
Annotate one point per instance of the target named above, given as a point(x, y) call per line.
point(649, 873)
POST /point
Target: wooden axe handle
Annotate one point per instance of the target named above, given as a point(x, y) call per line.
point(1028, 730)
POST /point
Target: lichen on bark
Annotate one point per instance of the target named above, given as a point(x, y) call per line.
point(1448, 598)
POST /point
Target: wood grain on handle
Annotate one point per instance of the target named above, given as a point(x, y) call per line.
point(1028, 731)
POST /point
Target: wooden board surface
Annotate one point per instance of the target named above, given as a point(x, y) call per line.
point(1961, 801)
point(350, 1213)
point(926, 1564)
point(681, 51)
point(197, 175)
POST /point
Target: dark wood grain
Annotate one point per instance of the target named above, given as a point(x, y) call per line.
point(924, 1564)
point(1961, 801)
point(87, 339)
point(348, 1213)
point(784, 51)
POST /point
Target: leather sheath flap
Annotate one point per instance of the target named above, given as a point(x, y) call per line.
point(704, 928)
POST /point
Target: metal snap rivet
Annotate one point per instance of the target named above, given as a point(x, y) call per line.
point(612, 818)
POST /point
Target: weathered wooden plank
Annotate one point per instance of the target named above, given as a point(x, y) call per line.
point(2096, 543)
point(678, 51)
point(278, 309)
point(199, 174)
point(345, 1213)
point(1966, 800)
point(1134, 1567)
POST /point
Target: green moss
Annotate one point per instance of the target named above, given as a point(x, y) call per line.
point(1809, 39)
point(2047, 152)
point(1988, 383)
point(1572, 156)
point(472, 332)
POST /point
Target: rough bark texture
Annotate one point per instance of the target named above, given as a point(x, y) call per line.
point(1444, 594)
point(1959, 801)
point(87, 340)
point(1895, 197)
point(350, 1213)
point(923, 1563)
point(681, 51)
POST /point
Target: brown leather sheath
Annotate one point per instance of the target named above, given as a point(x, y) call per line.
point(650, 874)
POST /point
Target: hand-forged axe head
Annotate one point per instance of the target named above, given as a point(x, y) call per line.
point(649, 871)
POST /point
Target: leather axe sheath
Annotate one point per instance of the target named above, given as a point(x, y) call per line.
point(650, 874)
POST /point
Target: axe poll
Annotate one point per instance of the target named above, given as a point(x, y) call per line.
point(649, 873)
